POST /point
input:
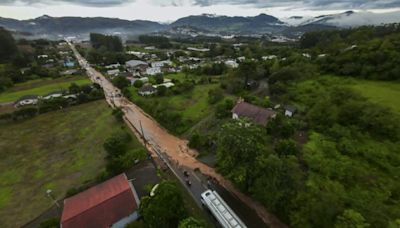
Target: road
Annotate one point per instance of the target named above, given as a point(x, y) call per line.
point(174, 151)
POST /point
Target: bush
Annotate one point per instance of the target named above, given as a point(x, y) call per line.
point(215, 95)
point(50, 223)
point(118, 114)
point(138, 84)
point(161, 90)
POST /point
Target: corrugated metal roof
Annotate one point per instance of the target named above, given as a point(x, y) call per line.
point(253, 112)
point(101, 205)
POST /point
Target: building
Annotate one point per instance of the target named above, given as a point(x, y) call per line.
point(289, 110)
point(147, 90)
point(69, 63)
point(113, 66)
point(53, 95)
point(231, 63)
point(113, 72)
point(161, 63)
point(27, 100)
point(136, 66)
point(269, 57)
point(166, 84)
point(153, 70)
point(113, 203)
point(198, 49)
point(257, 114)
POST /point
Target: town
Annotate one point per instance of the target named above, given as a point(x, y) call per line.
point(201, 131)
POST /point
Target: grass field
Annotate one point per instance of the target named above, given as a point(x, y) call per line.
point(40, 87)
point(193, 106)
point(58, 151)
point(384, 93)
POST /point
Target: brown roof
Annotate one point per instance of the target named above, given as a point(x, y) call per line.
point(100, 206)
point(257, 114)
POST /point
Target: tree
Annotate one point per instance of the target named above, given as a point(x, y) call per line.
point(351, 219)
point(118, 114)
point(121, 82)
point(286, 147)
point(224, 108)
point(8, 48)
point(159, 78)
point(74, 88)
point(191, 223)
point(166, 207)
point(239, 145)
point(161, 90)
point(138, 84)
point(215, 95)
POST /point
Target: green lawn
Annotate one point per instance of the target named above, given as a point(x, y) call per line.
point(384, 93)
point(57, 150)
point(40, 87)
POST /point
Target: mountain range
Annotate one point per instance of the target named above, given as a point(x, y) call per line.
point(57, 27)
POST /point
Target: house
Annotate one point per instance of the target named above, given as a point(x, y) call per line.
point(113, 203)
point(113, 66)
point(161, 63)
point(257, 114)
point(113, 72)
point(24, 70)
point(269, 57)
point(153, 70)
point(149, 48)
point(306, 55)
point(289, 110)
point(69, 72)
point(69, 63)
point(198, 49)
point(231, 63)
point(27, 100)
point(53, 95)
point(147, 90)
point(42, 56)
point(136, 66)
point(166, 84)
point(136, 53)
point(241, 59)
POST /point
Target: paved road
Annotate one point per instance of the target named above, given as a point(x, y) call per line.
point(172, 150)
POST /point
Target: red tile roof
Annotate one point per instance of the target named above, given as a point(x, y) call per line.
point(257, 114)
point(100, 206)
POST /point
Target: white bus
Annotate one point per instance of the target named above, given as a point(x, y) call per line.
point(221, 211)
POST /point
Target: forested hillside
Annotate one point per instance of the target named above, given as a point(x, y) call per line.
point(366, 52)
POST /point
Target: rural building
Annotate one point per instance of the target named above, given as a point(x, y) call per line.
point(161, 63)
point(269, 57)
point(147, 90)
point(153, 70)
point(257, 114)
point(289, 111)
point(113, 203)
point(231, 63)
point(53, 95)
point(136, 66)
point(113, 66)
point(69, 63)
point(166, 84)
point(27, 100)
point(113, 72)
point(198, 49)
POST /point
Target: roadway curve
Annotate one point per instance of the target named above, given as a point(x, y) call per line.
point(160, 140)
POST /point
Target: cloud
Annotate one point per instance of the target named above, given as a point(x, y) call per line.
point(310, 4)
point(94, 3)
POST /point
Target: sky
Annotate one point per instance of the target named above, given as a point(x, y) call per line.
point(170, 10)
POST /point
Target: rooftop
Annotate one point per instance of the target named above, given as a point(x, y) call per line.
point(257, 114)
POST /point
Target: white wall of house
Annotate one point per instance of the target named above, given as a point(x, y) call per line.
point(288, 113)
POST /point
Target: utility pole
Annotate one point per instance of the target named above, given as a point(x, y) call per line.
point(48, 192)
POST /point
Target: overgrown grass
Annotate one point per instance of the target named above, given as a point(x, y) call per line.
point(193, 106)
point(383, 93)
point(40, 87)
point(57, 150)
